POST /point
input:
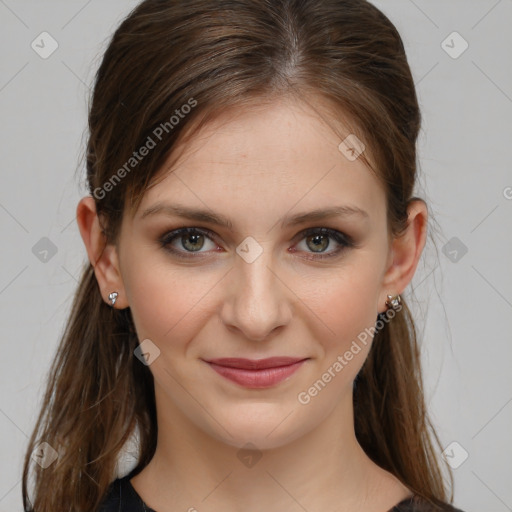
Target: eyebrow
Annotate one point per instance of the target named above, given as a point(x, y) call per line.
point(214, 218)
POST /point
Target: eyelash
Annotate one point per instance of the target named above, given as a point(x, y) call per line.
point(342, 239)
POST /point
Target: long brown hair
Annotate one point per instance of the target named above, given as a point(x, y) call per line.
point(211, 55)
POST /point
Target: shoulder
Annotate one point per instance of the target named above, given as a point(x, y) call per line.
point(121, 497)
point(418, 504)
point(112, 500)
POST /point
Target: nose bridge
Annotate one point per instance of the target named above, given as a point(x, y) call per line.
point(258, 302)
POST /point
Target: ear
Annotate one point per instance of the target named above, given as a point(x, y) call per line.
point(405, 252)
point(103, 257)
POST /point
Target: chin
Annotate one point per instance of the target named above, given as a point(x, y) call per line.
point(265, 432)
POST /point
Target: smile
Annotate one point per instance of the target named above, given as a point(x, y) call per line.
point(256, 374)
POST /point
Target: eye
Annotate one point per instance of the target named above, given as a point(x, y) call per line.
point(184, 242)
point(318, 240)
point(189, 240)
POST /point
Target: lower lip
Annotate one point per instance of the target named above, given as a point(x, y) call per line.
point(263, 378)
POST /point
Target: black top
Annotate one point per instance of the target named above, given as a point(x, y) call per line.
point(122, 497)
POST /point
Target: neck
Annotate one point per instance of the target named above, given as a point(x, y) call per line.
point(324, 469)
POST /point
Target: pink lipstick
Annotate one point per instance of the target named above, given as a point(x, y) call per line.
point(256, 373)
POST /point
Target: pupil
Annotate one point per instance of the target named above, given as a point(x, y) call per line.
point(318, 243)
point(195, 241)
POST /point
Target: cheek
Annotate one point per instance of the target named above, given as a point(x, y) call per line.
point(167, 304)
point(344, 305)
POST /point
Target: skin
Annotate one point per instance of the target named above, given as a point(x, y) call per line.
point(255, 167)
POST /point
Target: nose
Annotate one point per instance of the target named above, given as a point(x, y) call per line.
point(257, 300)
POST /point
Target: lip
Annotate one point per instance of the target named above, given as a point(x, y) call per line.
point(256, 373)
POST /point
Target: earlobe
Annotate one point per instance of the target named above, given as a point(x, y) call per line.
point(406, 251)
point(102, 256)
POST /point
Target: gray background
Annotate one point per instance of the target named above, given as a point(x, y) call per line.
point(463, 299)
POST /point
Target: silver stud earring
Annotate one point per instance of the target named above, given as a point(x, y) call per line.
point(112, 298)
point(394, 301)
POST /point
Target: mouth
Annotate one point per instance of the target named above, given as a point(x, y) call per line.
point(257, 373)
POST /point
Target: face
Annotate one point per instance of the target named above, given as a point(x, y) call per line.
point(268, 284)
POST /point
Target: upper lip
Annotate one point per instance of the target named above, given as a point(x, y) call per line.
point(256, 364)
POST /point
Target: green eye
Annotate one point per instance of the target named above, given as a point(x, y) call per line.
point(188, 242)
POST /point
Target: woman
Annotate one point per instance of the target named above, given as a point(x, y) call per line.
point(277, 368)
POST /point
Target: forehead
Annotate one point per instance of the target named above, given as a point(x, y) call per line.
point(272, 155)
